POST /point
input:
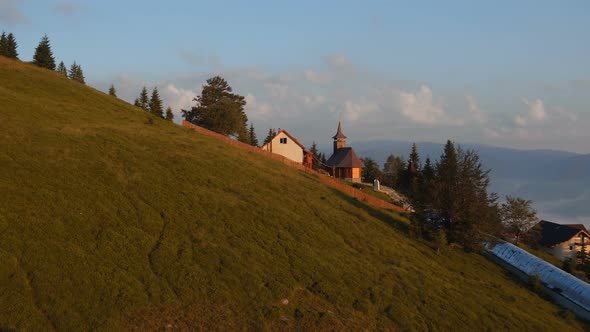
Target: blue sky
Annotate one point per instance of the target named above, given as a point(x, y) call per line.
point(508, 73)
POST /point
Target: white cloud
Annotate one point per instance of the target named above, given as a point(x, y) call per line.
point(354, 110)
point(536, 113)
point(419, 107)
point(317, 77)
point(390, 108)
point(256, 109)
point(520, 120)
point(474, 109)
point(536, 110)
point(178, 98)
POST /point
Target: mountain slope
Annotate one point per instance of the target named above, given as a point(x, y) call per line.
point(112, 219)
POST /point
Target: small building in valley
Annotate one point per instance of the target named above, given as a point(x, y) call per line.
point(286, 145)
point(564, 241)
point(344, 163)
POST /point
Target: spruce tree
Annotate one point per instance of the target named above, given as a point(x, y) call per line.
point(414, 157)
point(61, 68)
point(426, 186)
point(73, 72)
point(112, 91)
point(137, 102)
point(371, 171)
point(315, 163)
point(156, 104)
point(11, 47)
point(43, 55)
point(269, 136)
point(169, 114)
point(144, 100)
point(76, 73)
point(3, 44)
point(243, 136)
point(393, 171)
point(80, 75)
point(447, 170)
point(252, 134)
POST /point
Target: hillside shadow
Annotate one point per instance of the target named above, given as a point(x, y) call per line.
point(374, 212)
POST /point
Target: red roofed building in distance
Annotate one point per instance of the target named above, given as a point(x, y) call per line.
point(344, 163)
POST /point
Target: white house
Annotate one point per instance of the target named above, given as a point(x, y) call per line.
point(563, 241)
point(287, 146)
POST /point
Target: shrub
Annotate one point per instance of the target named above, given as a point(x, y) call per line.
point(535, 283)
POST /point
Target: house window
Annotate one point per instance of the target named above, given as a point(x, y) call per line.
point(571, 247)
point(284, 140)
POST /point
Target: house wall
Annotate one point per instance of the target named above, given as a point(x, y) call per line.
point(289, 150)
point(356, 173)
point(568, 249)
point(561, 251)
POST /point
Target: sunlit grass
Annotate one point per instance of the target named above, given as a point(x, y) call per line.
point(110, 222)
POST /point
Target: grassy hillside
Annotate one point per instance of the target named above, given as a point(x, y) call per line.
point(109, 222)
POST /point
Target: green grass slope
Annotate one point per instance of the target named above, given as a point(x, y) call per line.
point(110, 222)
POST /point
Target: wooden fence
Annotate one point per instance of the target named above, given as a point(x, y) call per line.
point(330, 181)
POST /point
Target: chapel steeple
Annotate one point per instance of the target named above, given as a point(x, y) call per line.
point(339, 139)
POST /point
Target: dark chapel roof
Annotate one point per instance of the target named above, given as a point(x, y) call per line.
point(345, 157)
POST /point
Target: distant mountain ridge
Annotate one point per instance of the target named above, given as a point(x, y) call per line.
point(558, 182)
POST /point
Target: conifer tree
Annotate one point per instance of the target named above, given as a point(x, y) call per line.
point(11, 46)
point(269, 136)
point(73, 72)
point(447, 170)
point(3, 44)
point(169, 114)
point(414, 157)
point(371, 171)
point(156, 104)
point(80, 75)
point(252, 134)
point(243, 136)
point(61, 68)
point(460, 202)
point(393, 170)
point(43, 55)
point(76, 73)
point(220, 110)
point(144, 101)
point(424, 197)
point(112, 91)
point(317, 158)
point(137, 102)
